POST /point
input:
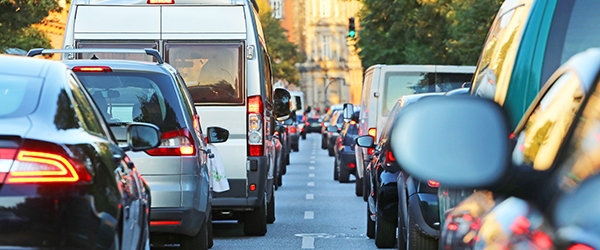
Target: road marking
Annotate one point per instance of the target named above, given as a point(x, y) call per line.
point(309, 215)
point(312, 157)
point(310, 196)
point(308, 242)
point(311, 175)
point(312, 162)
point(311, 168)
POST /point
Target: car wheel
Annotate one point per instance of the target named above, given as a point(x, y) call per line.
point(255, 223)
point(198, 241)
point(271, 209)
point(358, 187)
point(323, 142)
point(370, 225)
point(344, 175)
point(304, 136)
point(335, 170)
point(385, 233)
point(330, 151)
point(287, 160)
point(295, 147)
point(366, 186)
point(416, 240)
point(211, 241)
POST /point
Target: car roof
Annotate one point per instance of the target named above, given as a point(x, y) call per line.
point(25, 66)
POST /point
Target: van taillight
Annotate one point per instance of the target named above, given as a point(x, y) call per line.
point(89, 69)
point(580, 247)
point(42, 162)
point(160, 1)
point(255, 126)
point(175, 143)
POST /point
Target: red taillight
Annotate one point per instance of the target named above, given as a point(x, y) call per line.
point(96, 69)
point(175, 143)
point(370, 151)
point(580, 247)
point(255, 126)
point(160, 1)
point(292, 129)
point(433, 184)
point(389, 156)
point(372, 132)
point(252, 187)
point(543, 241)
point(452, 227)
point(351, 165)
point(41, 162)
point(165, 223)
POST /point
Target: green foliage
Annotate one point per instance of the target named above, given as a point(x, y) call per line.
point(16, 18)
point(450, 32)
point(284, 54)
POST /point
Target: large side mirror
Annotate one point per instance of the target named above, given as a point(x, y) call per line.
point(348, 111)
point(281, 102)
point(460, 141)
point(142, 136)
point(217, 134)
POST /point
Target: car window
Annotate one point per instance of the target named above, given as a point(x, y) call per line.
point(539, 141)
point(120, 45)
point(136, 97)
point(503, 39)
point(583, 149)
point(213, 72)
point(85, 111)
point(19, 95)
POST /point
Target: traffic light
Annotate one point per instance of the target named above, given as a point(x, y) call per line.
point(351, 28)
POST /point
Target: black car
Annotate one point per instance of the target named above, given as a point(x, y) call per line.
point(312, 125)
point(344, 163)
point(65, 183)
point(540, 183)
point(397, 199)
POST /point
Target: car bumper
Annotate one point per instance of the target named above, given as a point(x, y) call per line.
point(294, 139)
point(55, 221)
point(347, 158)
point(191, 220)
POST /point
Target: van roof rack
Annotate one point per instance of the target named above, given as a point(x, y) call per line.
point(151, 52)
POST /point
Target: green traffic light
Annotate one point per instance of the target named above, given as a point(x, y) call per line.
point(352, 33)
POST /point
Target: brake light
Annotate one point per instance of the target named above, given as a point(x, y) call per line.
point(452, 226)
point(433, 184)
point(164, 223)
point(292, 129)
point(372, 132)
point(389, 156)
point(543, 241)
point(580, 247)
point(175, 143)
point(96, 69)
point(255, 126)
point(352, 122)
point(42, 162)
point(161, 1)
point(351, 165)
point(370, 151)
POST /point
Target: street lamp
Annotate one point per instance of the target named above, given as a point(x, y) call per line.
point(329, 81)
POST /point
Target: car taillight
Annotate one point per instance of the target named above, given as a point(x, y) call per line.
point(255, 126)
point(372, 132)
point(370, 151)
point(175, 143)
point(580, 247)
point(351, 165)
point(42, 162)
point(389, 156)
point(160, 1)
point(433, 184)
point(292, 129)
point(88, 69)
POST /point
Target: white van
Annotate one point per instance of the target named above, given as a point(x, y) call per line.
point(219, 49)
point(383, 85)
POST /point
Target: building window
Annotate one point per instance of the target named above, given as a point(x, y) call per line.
point(325, 8)
point(277, 7)
point(326, 52)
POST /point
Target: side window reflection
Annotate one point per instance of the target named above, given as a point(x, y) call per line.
point(539, 141)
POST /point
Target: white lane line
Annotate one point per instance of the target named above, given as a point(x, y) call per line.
point(309, 215)
point(311, 168)
point(310, 196)
point(308, 242)
point(310, 184)
point(311, 175)
point(312, 157)
point(312, 162)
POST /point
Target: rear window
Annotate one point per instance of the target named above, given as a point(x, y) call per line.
point(213, 72)
point(136, 97)
point(398, 84)
point(120, 45)
point(18, 95)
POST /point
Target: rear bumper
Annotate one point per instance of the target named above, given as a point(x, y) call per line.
point(347, 156)
point(294, 138)
point(191, 220)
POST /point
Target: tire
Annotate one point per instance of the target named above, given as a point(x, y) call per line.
point(366, 186)
point(211, 241)
point(271, 210)
point(330, 151)
point(370, 225)
point(255, 223)
point(344, 175)
point(287, 160)
point(335, 170)
point(295, 148)
point(385, 233)
point(416, 240)
point(198, 241)
point(279, 180)
point(358, 187)
point(323, 141)
point(304, 136)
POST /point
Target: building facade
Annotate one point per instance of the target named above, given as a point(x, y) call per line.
point(332, 72)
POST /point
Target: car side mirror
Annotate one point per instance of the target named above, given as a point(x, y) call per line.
point(365, 141)
point(460, 141)
point(332, 129)
point(348, 111)
point(281, 103)
point(142, 136)
point(217, 134)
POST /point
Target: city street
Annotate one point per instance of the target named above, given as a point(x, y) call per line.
point(312, 210)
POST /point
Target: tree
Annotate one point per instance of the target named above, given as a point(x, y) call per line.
point(284, 54)
point(16, 18)
point(450, 32)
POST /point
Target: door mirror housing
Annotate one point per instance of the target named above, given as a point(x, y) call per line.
point(365, 141)
point(460, 141)
point(281, 103)
point(142, 136)
point(348, 111)
point(217, 134)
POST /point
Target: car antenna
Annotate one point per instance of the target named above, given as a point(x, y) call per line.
point(94, 57)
